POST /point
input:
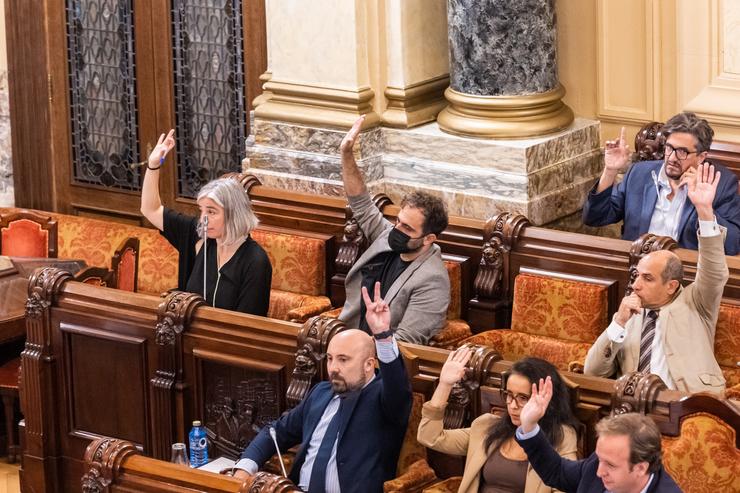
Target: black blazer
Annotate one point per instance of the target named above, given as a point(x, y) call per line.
point(373, 424)
point(578, 476)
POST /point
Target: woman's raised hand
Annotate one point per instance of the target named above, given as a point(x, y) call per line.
point(454, 368)
point(164, 145)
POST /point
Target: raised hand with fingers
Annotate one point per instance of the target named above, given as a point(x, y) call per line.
point(703, 189)
point(348, 142)
point(536, 406)
point(616, 153)
point(164, 145)
point(378, 314)
point(454, 368)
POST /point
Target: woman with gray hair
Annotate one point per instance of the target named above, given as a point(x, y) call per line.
point(219, 260)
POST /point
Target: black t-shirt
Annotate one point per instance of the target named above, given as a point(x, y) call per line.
point(384, 267)
point(242, 284)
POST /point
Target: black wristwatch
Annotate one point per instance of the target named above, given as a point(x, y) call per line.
point(383, 334)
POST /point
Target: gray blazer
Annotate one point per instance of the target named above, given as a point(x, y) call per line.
point(418, 299)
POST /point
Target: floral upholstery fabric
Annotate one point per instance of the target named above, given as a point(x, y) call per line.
point(703, 459)
point(727, 342)
point(285, 305)
point(454, 270)
point(24, 238)
point(415, 477)
point(451, 334)
point(559, 308)
point(515, 345)
point(95, 242)
point(298, 262)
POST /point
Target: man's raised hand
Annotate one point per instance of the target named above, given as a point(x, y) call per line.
point(348, 142)
point(703, 189)
point(616, 154)
point(536, 406)
point(378, 314)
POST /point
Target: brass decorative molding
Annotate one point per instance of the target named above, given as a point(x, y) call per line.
point(415, 104)
point(508, 117)
point(314, 105)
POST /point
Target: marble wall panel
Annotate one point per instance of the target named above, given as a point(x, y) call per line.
point(6, 164)
point(560, 175)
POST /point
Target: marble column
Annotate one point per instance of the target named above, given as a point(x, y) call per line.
point(503, 70)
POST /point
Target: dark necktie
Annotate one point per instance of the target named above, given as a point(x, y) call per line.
point(317, 483)
point(646, 341)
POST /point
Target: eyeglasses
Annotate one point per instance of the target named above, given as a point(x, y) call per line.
point(521, 399)
point(681, 152)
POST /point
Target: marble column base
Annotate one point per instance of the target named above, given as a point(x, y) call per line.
point(544, 178)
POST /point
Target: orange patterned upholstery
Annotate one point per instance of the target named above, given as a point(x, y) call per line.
point(559, 308)
point(298, 262)
point(515, 345)
point(703, 458)
point(554, 319)
point(452, 334)
point(727, 345)
point(296, 307)
point(413, 470)
point(27, 234)
point(95, 242)
point(449, 485)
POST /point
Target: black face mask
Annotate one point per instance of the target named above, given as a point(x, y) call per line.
point(399, 241)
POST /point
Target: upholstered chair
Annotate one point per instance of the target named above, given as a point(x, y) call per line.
point(552, 318)
point(25, 233)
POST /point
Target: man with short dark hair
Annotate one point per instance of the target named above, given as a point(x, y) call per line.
point(402, 257)
point(350, 428)
point(653, 198)
point(665, 329)
point(626, 460)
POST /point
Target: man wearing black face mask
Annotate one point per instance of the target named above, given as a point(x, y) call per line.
point(402, 257)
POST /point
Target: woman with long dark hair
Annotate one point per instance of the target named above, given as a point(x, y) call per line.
point(495, 462)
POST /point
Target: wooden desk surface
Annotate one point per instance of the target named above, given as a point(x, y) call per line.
point(14, 274)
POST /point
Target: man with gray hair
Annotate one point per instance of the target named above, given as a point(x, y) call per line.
point(665, 329)
point(653, 198)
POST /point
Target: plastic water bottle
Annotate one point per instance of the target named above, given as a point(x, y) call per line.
point(198, 445)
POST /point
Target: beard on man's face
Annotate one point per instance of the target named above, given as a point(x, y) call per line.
point(339, 385)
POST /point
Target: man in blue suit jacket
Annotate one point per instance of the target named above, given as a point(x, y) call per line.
point(653, 198)
point(365, 414)
point(627, 457)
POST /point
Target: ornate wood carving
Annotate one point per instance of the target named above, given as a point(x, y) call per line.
point(462, 395)
point(381, 200)
point(37, 398)
point(103, 459)
point(642, 246)
point(264, 482)
point(246, 180)
point(636, 393)
point(500, 235)
point(353, 243)
point(238, 403)
point(649, 142)
point(313, 342)
point(173, 316)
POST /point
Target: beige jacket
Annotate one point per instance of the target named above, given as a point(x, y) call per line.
point(471, 443)
point(688, 325)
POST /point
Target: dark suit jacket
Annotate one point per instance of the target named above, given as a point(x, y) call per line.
point(371, 431)
point(633, 200)
point(578, 476)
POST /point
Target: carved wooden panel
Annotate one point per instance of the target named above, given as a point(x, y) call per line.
point(239, 397)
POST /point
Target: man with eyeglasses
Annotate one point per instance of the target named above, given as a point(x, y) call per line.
point(402, 257)
point(653, 198)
